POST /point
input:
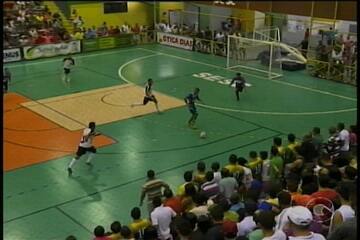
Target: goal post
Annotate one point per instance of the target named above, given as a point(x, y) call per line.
point(259, 57)
point(252, 56)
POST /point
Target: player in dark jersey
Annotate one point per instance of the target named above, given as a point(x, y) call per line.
point(190, 102)
point(68, 62)
point(149, 97)
point(6, 79)
point(239, 84)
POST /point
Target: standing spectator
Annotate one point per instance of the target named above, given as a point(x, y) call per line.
point(74, 14)
point(325, 191)
point(345, 212)
point(333, 144)
point(188, 177)
point(161, 218)
point(265, 169)
point(353, 139)
point(317, 139)
point(152, 188)
point(308, 151)
point(292, 143)
point(277, 142)
point(307, 34)
point(255, 164)
point(236, 205)
point(173, 202)
point(300, 219)
point(126, 233)
point(139, 224)
point(6, 79)
point(345, 140)
point(125, 28)
point(187, 201)
point(210, 188)
point(234, 168)
point(227, 184)
point(276, 165)
point(201, 207)
point(304, 47)
point(246, 177)
point(215, 167)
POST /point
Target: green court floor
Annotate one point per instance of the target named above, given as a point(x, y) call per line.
point(42, 202)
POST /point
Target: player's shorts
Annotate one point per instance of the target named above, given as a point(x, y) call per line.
point(193, 110)
point(82, 150)
point(66, 70)
point(239, 88)
point(149, 99)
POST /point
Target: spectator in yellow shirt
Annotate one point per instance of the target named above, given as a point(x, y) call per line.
point(292, 143)
point(199, 177)
point(255, 164)
point(138, 225)
point(277, 142)
point(233, 167)
point(188, 177)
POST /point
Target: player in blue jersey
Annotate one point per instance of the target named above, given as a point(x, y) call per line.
point(6, 79)
point(190, 102)
point(239, 84)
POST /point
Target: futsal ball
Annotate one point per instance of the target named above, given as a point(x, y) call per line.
point(203, 134)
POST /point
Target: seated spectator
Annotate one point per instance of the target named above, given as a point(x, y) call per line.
point(210, 188)
point(77, 35)
point(99, 233)
point(308, 182)
point(229, 215)
point(183, 228)
point(115, 231)
point(74, 14)
point(227, 184)
point(247, 224)
point(236, 205)
point(116, 30)
point(297, 198)
point(201, 207)
point(199, 177)
point(161, 218)
point(215, 167)
point(300, 219)
point(345, 212)
point(281, 219)
point(139, 224)
point(126, 233)
point(125, 28)
point(90, 34)
point(266, 222)
point(174, 202)
point(217, 216)
point(325, 191)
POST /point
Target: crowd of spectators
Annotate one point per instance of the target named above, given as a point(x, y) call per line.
point(31, 23)
point(304, 189)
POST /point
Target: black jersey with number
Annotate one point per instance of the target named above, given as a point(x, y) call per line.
point(239, 82)
point(148, 90)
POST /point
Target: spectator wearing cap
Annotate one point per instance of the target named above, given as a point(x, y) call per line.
point(172, 201)
point(300, 219)
point(210, 188)
point(345, 212)
point(161, 218)
point(247, 224)
point(266, 222)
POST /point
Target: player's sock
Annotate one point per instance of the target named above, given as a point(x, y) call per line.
point(72, 163)
point(91, 156)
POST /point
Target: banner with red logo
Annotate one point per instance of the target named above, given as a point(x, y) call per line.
point(175, 40)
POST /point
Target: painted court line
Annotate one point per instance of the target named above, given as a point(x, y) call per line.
point(276, 81)
point(230, 109)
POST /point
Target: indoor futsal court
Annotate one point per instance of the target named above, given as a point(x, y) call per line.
point(44, 118)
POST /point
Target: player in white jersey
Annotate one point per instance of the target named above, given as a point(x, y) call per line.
point(68, 62)
point(149, 97)
point(85, 146)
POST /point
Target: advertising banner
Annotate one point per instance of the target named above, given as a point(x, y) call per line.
point(107, 42)
point(12, 55)
point(90, 45)
point(175, 40)
point(51, 50)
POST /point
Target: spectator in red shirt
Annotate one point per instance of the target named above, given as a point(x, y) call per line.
point(99, 233)
point(173, 202)
point(325, 191)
